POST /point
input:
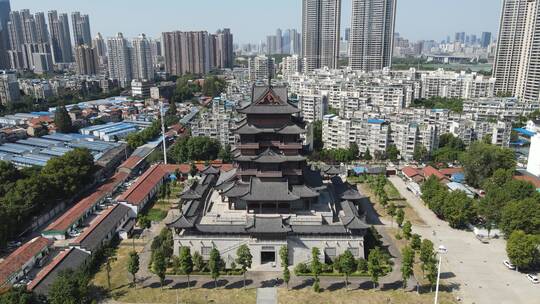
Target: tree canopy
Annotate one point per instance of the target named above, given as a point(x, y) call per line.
point(482, 160)
point(62, 120)
point(195, 149)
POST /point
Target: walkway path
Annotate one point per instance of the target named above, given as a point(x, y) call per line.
point(473, 268)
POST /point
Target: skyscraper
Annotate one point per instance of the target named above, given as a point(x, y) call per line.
point(143, 67)
point(42, 33)
point(119, 60)
point(60, 37)
point(5, 9)
point(485, 40)
point(517, 63)
point(320, 33)
point(81, 29)
point(86, 58)
point(99, 44)
point(224, 49)
point(279, 42)
point(187, 52)
point(372, 34)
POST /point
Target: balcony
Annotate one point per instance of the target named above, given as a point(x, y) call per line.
point(247, 145)
point(282, 145)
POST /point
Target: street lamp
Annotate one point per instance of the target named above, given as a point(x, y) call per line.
point(441, 250)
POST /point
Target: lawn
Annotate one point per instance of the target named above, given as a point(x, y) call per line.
point(410, 214)
point(122, 292)
point(359, 297)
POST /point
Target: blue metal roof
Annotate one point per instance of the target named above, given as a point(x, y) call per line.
point(524, 132)
point(376, 121)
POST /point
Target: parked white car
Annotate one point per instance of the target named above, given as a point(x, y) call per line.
point(533, 278)
point(509, 265)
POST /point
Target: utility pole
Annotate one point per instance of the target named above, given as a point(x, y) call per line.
point(163, 132)
point(442, 250)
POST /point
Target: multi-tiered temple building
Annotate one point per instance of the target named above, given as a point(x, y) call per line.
point(272, 198)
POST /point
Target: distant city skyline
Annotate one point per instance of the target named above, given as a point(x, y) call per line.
point(437, 17)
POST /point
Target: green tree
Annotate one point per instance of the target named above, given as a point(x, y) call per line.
point(392, 211)
point(69, 287)
point(367, 155)
point(407, 229)
point(416, 242)
point(522, 249)
point(317, 135)
point(458, 210)
point(215, 263)
point(392, 153)
point(286, 276)
point(430, 270)
point(244, 259)
point(420, 153)
point(133, 265)
point(316, 266)
point(426, 252)
point(407, 264)
point(109, 259)
point(353, 150)
point(375, 266)
point(21, 296)
point(482, 160)
point(193, 169)
point(159, 266)
point(284, 256)
point(186, 263)
point(347, 266)
point(62, 120)
point(198, 261)
point(521, 215)
point(383, 199)
point(225, 154)
point(400, 216)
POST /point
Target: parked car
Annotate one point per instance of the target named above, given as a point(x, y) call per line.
point(533, 278)
point(509, 265)
point(14, 244)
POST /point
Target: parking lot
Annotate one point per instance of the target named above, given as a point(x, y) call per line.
point(475, 268)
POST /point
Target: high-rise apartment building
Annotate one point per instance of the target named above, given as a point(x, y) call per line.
point(224, 49)
point(195, 52)
point(87, 60)
point(119, 59)
point(143, 66)
point(372, 34)
point(517, 63)
point(5, 9)
point(485, 40)
point(9, 88)
point(261, 67)
point(99, 44)
point(321, 21)
point(81, 29)
point(42, 33)
point(60, 37)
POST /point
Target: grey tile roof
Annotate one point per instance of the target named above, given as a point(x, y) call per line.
point(269, 100)
point(73, 260)
point(260, 224)
point(345, 191)
point(226, 176)
point(351, 218)
point(304, 191)
point(94, 239)
point(269, 191)
point(238, 190)
point(270, 156)
point(318, 229)
point(210, 170)
point(248, 129)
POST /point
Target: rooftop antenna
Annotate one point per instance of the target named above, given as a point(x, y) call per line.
point(163, 130)
point(269, 76)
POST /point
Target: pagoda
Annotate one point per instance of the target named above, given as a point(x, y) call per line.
point(272, 197)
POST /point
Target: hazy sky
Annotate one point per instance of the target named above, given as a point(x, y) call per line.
point(252, 20)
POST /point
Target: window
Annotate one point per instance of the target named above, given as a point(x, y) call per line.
point(355, 251)
point(205, 251)
point(330, 251)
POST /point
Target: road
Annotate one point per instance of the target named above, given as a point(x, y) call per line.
point(474, 269)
